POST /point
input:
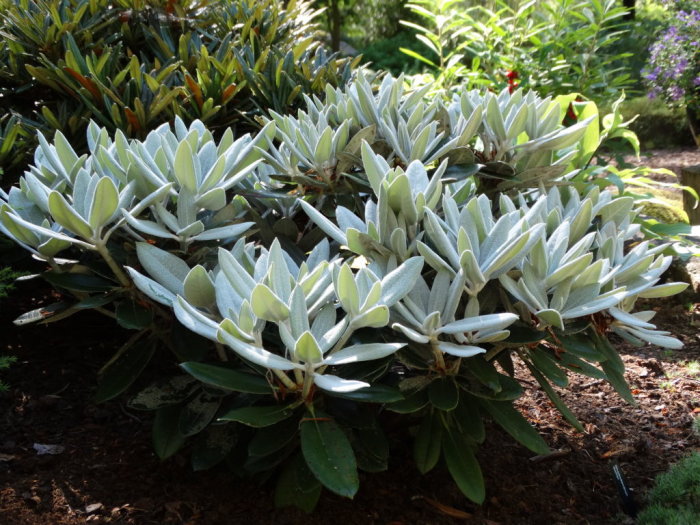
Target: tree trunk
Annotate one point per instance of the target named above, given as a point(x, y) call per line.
point(335, 22)
point(629, 5)
point(690, 176)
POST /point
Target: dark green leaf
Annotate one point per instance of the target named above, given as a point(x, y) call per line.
point(509, 389)
point(198, 413)
point(483, 371)
point(329, 455)
point(467, 418)
point(227, 378)
point(515, 424)
point(413, 403)
point(612, 357)
point(297, 486)
point(119, 375)
point(372, 394)
point(617, 380)
point(79, 282)
point(581, 345)
point(264, 465)
point(371, 449)
point(506, 361)
point(463, 466)
point(213, 445)
point(164, 393)
point(561, 406)
point(573, 363)
point(167, 439)
point(94, 302)
point(368, 371)
point(188, 346)
point(443, 393)
point(523, 335)
point(270, 439)
point(133, 316)
point(544, 362)
point(427, 445)
point(259, 417)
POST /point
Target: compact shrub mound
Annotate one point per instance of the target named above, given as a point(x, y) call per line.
point(133, 64)
point(379, 251)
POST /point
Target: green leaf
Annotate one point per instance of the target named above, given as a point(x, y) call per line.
point(556, 400)
point(427, 444)
point(159, 395)
point(198, 413)
point(79, 282)
point(371, 448)
point(94, 301)
point(67, 217)
point(133, 316)
point(270, 440)
point(297, 486)
point(516, 425)
point(213, 445)
point(372, 394)
point(188, 346)
point(463, 466)
point(183, 167)
point(398, 283)
point(591, 137)
point(198, 288)
point(443, 393)
point(167, 439)
point(543, 362)
point(467, 418)
point(329, 455)
point(259, 416)
point(617, 380)
point(413, 403)
point(166, 268)
point(266, 305)
point(104, 204)
point(610, 354)
point(307, 350)
point(120, 373)
point(227, 378)
point(583, 346)
point(346, 290)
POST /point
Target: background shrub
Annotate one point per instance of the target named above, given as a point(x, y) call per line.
point(134, 64)
point(658, 125)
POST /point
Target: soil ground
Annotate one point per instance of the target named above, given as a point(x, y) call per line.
point(106, 472)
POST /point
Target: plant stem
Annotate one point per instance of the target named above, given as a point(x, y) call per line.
point(221, 352)
point(285, 379)
point(101, 248)
point(439, 358)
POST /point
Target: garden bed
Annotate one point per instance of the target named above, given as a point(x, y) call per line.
point(107, 472)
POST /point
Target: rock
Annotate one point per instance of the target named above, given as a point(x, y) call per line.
point(688, 271)
point(53, 450)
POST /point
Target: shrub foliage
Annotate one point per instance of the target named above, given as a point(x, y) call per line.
point(133, 64)
point(380, 251)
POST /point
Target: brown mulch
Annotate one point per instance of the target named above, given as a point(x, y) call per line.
point(107, 472)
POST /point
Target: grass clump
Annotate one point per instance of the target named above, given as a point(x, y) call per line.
point(675, 499)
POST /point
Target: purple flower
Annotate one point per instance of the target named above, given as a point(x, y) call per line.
point(673, 69)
